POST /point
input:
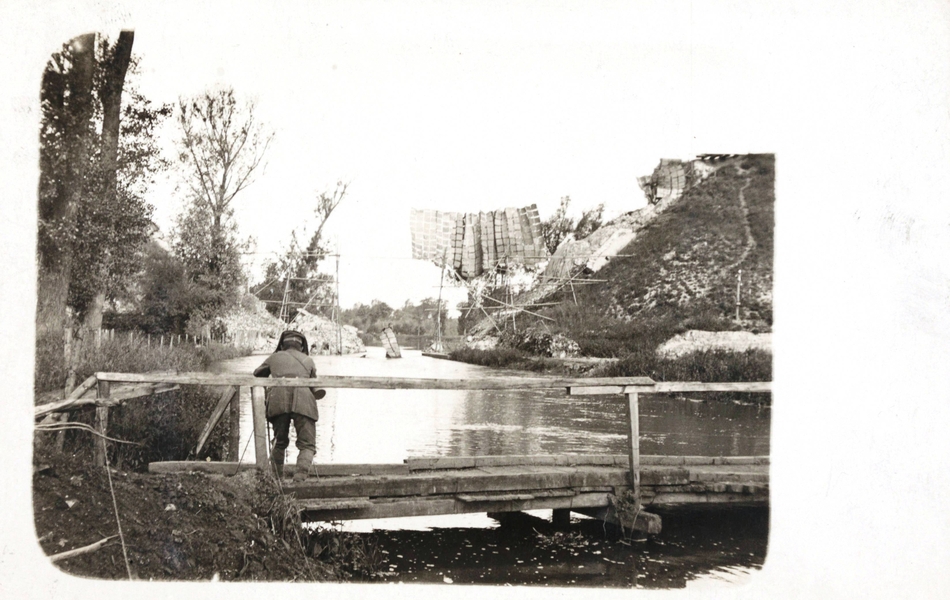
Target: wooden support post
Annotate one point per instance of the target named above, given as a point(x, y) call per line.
point(99, 454)
point(260, 427)
point(61, 435)
point(234, 425)
point(227, 397)
point(634, 442)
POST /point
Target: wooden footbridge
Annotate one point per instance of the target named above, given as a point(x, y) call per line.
point(617, 488)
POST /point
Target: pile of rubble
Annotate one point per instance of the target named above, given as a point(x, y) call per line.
point(251, 325)
point(325, 336)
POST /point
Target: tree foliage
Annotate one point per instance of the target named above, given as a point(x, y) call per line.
point(95, 167)
point(561, 226)
point(167, 296)
point(410, 319)
point(221, 149)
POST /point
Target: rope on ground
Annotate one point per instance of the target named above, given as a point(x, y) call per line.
point(115, 507)
point(83, 427)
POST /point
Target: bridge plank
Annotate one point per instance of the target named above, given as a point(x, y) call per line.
point(232, 468)
point(441, 505)
point(620, 460)
point(665, 387)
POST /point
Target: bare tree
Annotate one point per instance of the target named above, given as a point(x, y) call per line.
point(221, 149)
point(222, 146)
point(293, 280)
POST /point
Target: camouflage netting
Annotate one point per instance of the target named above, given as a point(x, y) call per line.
point(473, 243)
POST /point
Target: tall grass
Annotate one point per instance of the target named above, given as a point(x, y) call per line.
point(124, 355)
point(161, 427)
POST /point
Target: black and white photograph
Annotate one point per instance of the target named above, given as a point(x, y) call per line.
point(456, 298)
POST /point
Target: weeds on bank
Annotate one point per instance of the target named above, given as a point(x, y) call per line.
point(344, 554)
point(123, 354)
point(164, 426)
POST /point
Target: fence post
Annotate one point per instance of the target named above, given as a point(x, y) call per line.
point(260, 427)
point(633, 406)
point(234, 438)
point(100, 457)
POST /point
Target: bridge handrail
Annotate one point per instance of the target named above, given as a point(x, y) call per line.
point(576, 386)
point(337, 381)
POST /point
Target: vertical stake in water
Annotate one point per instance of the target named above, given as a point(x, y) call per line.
point(438, 308)
point(260, 427)
point(634, 442)
point(339, 321)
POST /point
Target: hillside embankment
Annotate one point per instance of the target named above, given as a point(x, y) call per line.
point(698, 260)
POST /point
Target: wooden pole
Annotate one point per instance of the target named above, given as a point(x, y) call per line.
point(260, 427)
point(339, 317)
point(67, 352)
point(634, 442)
point(102, 423)
point(234, 424)
point(227, 397)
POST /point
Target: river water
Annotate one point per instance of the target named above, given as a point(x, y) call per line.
point(697, 548)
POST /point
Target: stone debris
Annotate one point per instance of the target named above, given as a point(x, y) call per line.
point(324, 336)
point(730, 341)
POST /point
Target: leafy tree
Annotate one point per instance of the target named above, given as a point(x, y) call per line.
point(96, 157)
point(293, 281)
point(167, 296)
point(221, 149)
point(368, 317)
point(411, 319)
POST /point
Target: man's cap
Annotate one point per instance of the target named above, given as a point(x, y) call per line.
point(291, 334)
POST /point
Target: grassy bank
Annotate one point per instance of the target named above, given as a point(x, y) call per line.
point(706, 366)
point(161, 427)
point(187, 526)
point(123, 354)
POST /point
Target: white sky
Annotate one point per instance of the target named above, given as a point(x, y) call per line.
point(456, 108)
point(433, 105)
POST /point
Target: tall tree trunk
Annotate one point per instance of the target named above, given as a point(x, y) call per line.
point(114, 68)
point(79, 81)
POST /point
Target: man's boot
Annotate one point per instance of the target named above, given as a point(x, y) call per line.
point(304, 464)
point(278, 460)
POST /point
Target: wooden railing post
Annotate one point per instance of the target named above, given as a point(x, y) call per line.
point(99, 454)
point(634, 416)
point(234, 422)
point(260, 426)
